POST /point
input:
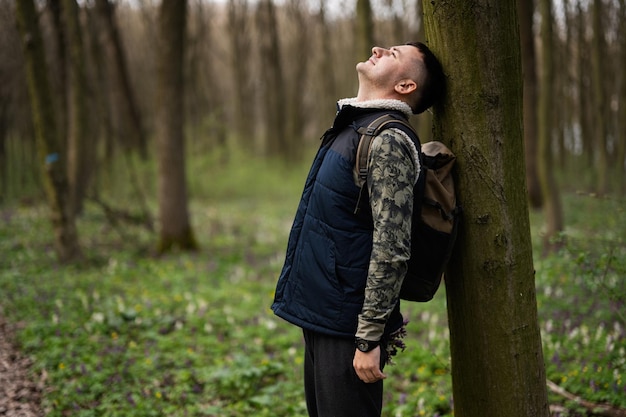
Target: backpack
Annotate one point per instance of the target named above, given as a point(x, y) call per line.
point(435, 209)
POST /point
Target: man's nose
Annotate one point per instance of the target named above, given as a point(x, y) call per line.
point(378, 51)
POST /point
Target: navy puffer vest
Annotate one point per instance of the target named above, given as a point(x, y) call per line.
point(322, 283)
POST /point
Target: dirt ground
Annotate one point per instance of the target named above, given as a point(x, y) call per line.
point(20, 396)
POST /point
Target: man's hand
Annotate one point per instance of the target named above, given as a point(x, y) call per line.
point(367, 365)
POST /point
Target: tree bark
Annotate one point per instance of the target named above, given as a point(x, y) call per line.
point(325, 74)
point(424, 121)
point(49, 144)
point(497, 359)
point(599, 100)
point(552, 201)
point(240, 42)
point(81, 146)
point(525, 11)
point(584, 87)
point(274, 94)
point(175, 228)
point(4, 128)
point(621, 140)
point(59, 81)
point(299, 50)
point(364, 37)
point(128, 124)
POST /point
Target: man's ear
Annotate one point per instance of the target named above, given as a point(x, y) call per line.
point(406, 86)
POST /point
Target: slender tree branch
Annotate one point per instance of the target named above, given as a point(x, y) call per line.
point(594, 409)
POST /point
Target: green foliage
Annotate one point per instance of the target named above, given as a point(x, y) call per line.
point(130, 334)
point(582, 300)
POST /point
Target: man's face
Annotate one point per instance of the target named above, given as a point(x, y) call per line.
point(386, 67)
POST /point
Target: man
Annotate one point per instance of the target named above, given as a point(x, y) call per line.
point(346, 259)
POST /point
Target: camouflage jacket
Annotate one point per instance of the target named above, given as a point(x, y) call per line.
point(393, 170)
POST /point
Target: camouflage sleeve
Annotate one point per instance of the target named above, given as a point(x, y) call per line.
point(393, 170)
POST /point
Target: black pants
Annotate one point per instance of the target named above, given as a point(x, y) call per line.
point(331, 385)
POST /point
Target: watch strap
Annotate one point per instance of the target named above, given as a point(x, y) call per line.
point(365, 345)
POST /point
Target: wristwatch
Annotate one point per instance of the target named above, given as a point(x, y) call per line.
point(365, 345)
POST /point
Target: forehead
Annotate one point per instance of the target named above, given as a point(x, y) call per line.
point(408, 51)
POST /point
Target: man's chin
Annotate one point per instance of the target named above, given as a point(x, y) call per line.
point(362, 65)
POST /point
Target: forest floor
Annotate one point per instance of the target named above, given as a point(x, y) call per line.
point(20, 396)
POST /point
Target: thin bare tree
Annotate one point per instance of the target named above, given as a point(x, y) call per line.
point(273, 92)
point(174, 220)
point(50, 146)
point(240, 49)
point(550, 194)
point(127, 119)
point(364, 33)
point(599, 109)
point(80, 142)
point(621, 131)
point(525, 11)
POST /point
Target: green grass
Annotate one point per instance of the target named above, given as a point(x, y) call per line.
point(128, 334)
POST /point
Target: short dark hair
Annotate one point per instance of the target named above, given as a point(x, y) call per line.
point(434, 85)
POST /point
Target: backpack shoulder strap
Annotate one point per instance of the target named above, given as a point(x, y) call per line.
point(367, 135)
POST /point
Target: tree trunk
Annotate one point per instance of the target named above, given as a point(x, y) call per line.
point(525, 11)
point(566, 87)
point(175, 228)
point(584, 87)
point(552, 200)
point(274, 93)
point(621, 140)
point(127, 117)
point(4, 129)
point(81, 146)
point(325, 74)
point(102, 127)
point(49, 144)
point(240, 42)
point(497, 359)
point(364, 37)
point(599, 97)
point(299, 49)
point(59, 81)
point(423, 121)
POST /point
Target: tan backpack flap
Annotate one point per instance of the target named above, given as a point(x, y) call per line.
point(439, 189)
point(440, 152)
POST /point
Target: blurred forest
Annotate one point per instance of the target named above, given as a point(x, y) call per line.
point(108, 80)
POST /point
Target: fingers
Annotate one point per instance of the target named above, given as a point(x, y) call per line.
point(367, 366)
point(370, 377)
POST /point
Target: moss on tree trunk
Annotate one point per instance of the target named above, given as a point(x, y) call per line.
point(497, 359)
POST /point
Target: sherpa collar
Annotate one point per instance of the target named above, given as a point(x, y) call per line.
point(389, 104)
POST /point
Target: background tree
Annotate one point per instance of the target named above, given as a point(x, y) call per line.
point(297, 71)
point(552, 201)
point(174, 222)
point(525, 12)
point(50, 146)
point(80, 147)
point(127, 120)
point(497, 360)
point(240, 49)
point(621, 129)
point(325, 75)
point(600, 121)
point(58, 65)
point(584, 85)
point(273, 93)
point(364, 33)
